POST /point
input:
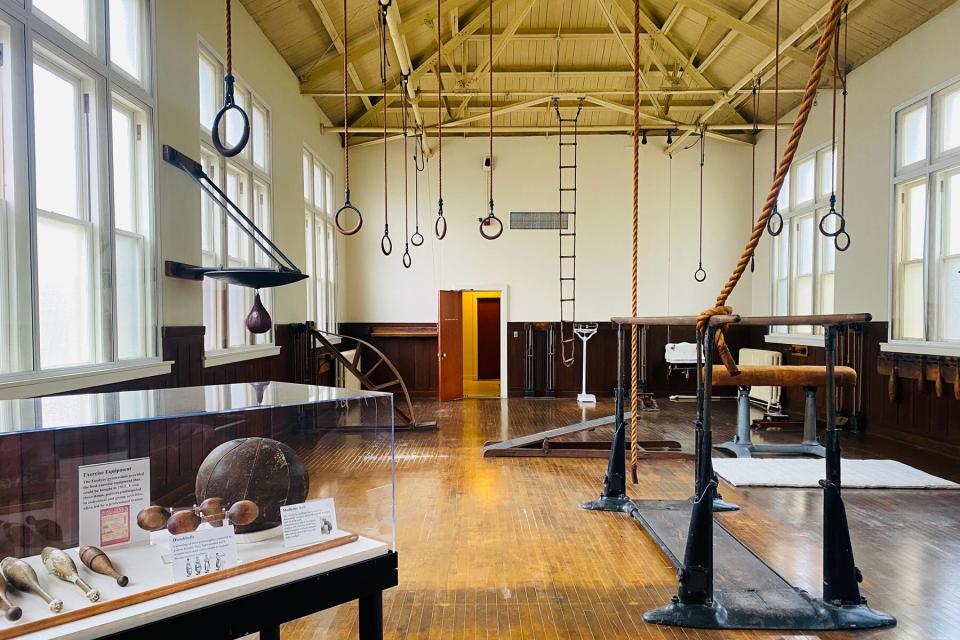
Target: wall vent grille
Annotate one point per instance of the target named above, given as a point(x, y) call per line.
point(539, 220)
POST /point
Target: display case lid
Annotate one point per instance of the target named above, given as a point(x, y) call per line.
point(74, 411)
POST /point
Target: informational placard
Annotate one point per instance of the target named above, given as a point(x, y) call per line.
point(111, 496)
point(206, 550)
point(308, 522)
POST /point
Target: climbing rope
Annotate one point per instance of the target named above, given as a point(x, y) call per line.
point(407, 260)
point(440, 226)
point(803, 114)
point(842, 240)
point(491, 217)
point(347, 206)
point(701, 274)
point(775, 223)
point(386, 245)
point(229, 103)
point(634, 346)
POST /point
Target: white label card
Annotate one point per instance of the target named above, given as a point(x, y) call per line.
point(111, 496)
point(206, 550)
point(308, 522)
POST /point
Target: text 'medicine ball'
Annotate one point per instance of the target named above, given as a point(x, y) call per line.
point(259, 469)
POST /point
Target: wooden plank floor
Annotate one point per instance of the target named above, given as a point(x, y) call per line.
point(497, 548)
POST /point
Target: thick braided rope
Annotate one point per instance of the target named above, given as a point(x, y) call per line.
point(806, 104)
point(634, 365)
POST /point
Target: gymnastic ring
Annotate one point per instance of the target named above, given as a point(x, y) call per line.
point(407, 260)
point(347, 207)
point(417, 236)
point(700, 274)
point(228, 104)
point(499, 232)
point(841, 246)
point(386, 244)
point(841, 227)
point(440, 227)
point(775, 229)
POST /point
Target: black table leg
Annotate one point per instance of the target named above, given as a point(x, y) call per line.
point(270, 633)
point(371, 616)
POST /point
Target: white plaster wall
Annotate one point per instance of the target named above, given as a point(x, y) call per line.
point(526, 179)
point(914, 64)
point(295, 122)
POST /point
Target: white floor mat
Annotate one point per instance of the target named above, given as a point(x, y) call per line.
point(807, 472)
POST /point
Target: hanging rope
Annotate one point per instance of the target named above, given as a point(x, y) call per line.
point(440, 226)
point(229, 104)
point(775, 223)
point(753, 162)
point(386, 245)
point(407, 260)
point(701, 274)
point(634, 256)
point(491, 217)
point(417, 238)
point(347, 207)
point(842, 240)
point(803, 114)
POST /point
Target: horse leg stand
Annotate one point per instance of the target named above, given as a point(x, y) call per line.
point(742, 446)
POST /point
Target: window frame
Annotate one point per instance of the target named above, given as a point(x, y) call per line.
point(933, 165)
point(325, 256)
point(217, 346)
point(33, 38)
point(795, 209)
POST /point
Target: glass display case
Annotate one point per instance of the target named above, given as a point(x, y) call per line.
point(118, 509)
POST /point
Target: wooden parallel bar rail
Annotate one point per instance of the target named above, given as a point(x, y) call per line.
point(751, 321)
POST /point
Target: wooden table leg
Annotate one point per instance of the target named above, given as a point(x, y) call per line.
point(371, 616)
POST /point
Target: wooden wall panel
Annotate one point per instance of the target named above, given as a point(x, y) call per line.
point(414, 357)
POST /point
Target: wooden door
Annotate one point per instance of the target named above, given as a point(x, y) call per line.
point(450, 343)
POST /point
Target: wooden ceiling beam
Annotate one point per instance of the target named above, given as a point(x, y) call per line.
point(712, 11)
point(734, 92)
point(331, 30)
point(329, 64)
point(731, 35)
point(561, 93)
point(499, 45)
point(612, 22)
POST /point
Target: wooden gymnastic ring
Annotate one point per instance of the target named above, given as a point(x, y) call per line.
point(700, 274)
point(499, 232)
point(386, 244)
point(407, 260)
point(228, 105)
point(347, 206)
point(417, 235)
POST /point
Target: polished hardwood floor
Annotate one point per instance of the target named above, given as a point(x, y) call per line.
point(497, 548)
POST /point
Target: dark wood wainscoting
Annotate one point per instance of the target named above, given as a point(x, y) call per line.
point(410, 346)
point(602, 360)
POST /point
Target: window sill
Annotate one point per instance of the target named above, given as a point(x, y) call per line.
point(921, 348)
point(239, 354)
point(50, 382)
point(810, 340)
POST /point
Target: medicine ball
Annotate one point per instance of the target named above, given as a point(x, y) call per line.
point(259, 469)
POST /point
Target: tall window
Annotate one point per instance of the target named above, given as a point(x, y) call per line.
point(926, 191)
point(246, 180)
point(77, 230)
point(803, 259)
point(321, 240)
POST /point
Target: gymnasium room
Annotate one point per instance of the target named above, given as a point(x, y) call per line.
point(462, 319)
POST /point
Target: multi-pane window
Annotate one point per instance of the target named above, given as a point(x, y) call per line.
point(320, 237)
point(246, 180)
point(803, 258)
point(77, 230)
point(926, 245)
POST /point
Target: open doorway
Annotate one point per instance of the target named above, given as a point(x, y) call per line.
point(481, 344)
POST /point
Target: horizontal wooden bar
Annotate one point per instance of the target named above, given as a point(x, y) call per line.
point(654, 321)
point(820, 320)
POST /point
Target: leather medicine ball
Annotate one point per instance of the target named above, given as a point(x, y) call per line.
point(259, 469)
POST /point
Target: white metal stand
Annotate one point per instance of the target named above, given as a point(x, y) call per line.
point(585, 332)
